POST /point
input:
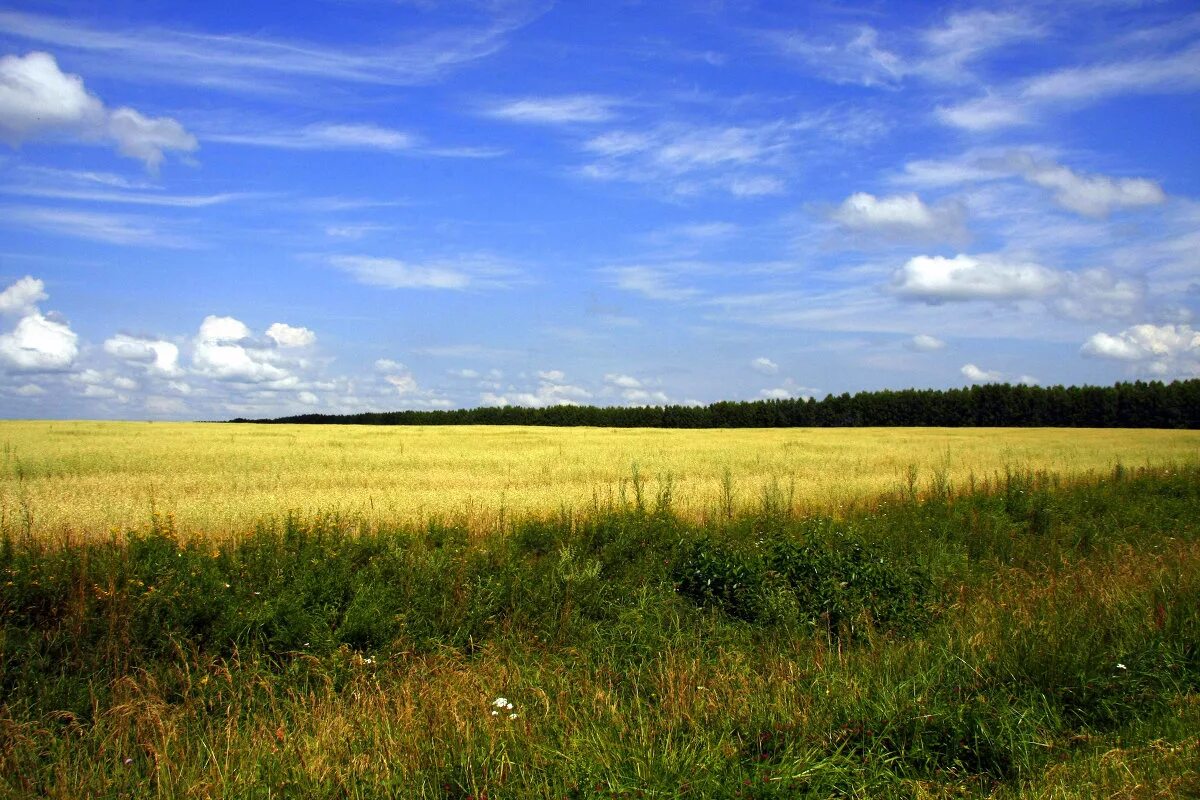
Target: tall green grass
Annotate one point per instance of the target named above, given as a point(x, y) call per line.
point(1022, 638)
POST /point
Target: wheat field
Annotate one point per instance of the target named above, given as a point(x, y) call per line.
point(87, 478)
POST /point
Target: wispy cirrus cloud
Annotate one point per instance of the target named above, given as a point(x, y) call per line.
point(463, 272)
point(653, 282)
point(942, 53)
point(1088, 194)
point(324, 136)
point(121, 229)
point(555, 110)
point(1075, 87)
point(244, 63)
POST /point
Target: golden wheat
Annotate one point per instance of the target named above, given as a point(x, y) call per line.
point(84, 478)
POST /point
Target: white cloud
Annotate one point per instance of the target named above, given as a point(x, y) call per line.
point(1098, 294)
point(391, 273)
point(1090, 195)
point(388, 365)
point(404, 384)
point(39, 99)
point(29, 390)
point(356, 231)
point(645, 397)
point(1028, 380)
point(552, 390)
point(690, 159)
point(223, 329)
point(977, 375)
point(247, 63)
point(325, 136)
point(859, 60)
point(633, 390)
point(223, 350)
point(286, 335)
point(983, 114)
point(755, 186)
point(38, 344)
point(654, 283)
point(22, 297)
point(1094, 195)
point(157, 355)
point(622, 381)
point(119, 229)
point(925, 343)
point(941, 54)
point(308, 398)
point(965, 277)
point(899, 215)
point(1162, 350)
point(146, 138)
point(789, 390)
point(764, 365)
point(1073, 87)
point(562, 110)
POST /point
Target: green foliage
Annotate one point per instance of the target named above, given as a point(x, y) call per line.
point(839, 584)
point(958, 645)
point(1124, 405)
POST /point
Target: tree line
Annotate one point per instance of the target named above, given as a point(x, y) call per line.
point(1140, 404)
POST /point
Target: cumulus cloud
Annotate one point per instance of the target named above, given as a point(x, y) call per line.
point(1094, 195)
point(223, 349)
point(965, 277)
point(902, 215)
point(37, 343)
point(979, 375)
point(400, 381)
point(764, 365)
point(633, 390)
point(38, 99)
point(389, 365)
point(552, 390)
point(22, 297)
point(157, 355)
point(286, 335)
point(789, 390)
point(925, 343)
point(1159, 349)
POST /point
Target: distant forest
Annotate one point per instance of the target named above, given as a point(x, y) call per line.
point(1125, 405)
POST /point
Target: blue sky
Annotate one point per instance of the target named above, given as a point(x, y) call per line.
point(214, 209)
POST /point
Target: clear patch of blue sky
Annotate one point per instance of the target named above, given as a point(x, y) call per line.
point(210, 210)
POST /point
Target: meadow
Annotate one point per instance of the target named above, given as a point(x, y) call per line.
point(868, 613)
point(84, 478)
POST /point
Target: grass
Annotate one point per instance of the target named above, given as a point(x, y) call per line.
point(70, 479)
point(1034, 636)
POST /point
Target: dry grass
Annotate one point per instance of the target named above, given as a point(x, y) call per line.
point(82, 478)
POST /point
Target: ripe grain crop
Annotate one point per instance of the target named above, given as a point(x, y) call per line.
point(84, 478)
